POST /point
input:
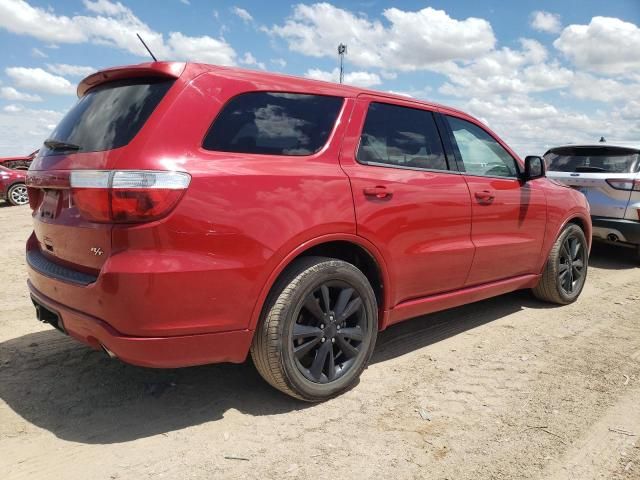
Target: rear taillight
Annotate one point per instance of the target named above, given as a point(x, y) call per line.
point(126, 196)
point(623, 184)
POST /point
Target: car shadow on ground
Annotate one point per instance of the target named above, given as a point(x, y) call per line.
point(612, 257)
point(80, 395)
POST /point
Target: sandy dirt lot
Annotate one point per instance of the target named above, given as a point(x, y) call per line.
point(508, 388)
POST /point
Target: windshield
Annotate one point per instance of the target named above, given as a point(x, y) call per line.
point(108, 116)
point(606, 160)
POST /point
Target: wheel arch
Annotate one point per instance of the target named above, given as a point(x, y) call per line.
point(350, 248)
point(577, 218)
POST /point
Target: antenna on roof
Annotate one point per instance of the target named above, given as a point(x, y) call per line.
point(602, 140)
point(148, 49)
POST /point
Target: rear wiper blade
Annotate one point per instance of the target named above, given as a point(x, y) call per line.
point(54, 144)
point(585, 168)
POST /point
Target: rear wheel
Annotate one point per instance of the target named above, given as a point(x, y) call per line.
point(17, 194)
point(566, 269)
point(318, 329)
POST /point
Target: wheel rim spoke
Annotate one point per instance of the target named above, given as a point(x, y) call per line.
point(326, 298)
point(349, 350)
point(313, 307)
point(331, 364)
point(319, 362)
point(305, 331)
point(305, 348)
point(353, 307)
point(354, 333)
point(343, 298)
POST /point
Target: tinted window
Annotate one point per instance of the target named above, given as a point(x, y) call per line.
point(110, 115)
point(481, 154)
point(401, 136)
point(274, 124)
point(592, 159)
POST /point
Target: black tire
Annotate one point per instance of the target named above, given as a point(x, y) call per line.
point(17, 194)
point(563, 278)
point(296, 312)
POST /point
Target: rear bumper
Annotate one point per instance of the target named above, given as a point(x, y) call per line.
point(156, 352)
point(627, 231)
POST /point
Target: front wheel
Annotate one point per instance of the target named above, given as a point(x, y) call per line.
point(318, 329)
point(17, 194)
point(566, 269)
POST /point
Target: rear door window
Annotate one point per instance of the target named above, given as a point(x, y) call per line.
point(402, 137)
point(109, 115)
point(481, 154)
point(592, 159)
point(273, 123)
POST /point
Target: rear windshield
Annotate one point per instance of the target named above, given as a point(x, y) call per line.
point(605, 160)
point(110, 115)
point(274, 124)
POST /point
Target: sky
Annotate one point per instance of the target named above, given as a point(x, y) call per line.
point(539, 73)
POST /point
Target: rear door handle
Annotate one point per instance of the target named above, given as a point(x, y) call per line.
point(485, 196)
point(378, 192)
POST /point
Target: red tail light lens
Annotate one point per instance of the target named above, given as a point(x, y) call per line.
point(127, 196)
point(624, 184)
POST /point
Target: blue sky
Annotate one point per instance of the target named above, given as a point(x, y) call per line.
point(538, 72)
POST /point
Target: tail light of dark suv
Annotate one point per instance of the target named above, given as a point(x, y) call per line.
point(126, 196)
point(624, 184)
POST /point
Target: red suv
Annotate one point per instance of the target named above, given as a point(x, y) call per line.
point(187, 214)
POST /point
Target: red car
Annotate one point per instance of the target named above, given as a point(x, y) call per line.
point(18, 163)
point(187, 214)
point(12, 186)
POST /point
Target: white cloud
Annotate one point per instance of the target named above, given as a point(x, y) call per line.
point(243, 14)
point(23, 129)
point(532, 126)
point(70, 70)
point(111, 24)
point(360, 79)
point(39, 80)
point(590, 87)
point(185, 2)
point(18, 16)
point(36, 52)
point(105, 7)
point(12, 108)
point(279, 62)
point(10, 93)
point(250, 61)
point(201, 49)
point(412, 41)
point(545, 22)
point(609, 46)
point(506, 71)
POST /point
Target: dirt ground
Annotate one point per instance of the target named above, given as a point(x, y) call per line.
point(508, 388)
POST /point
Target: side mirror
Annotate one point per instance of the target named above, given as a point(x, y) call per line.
point(534, 167)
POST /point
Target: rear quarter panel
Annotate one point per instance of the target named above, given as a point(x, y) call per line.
point(241, 216)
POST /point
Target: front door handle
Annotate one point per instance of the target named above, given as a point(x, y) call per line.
point(485, 196)
point(377, 191)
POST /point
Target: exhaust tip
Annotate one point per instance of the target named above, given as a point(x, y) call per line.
point(109, 353)
point(612, 237)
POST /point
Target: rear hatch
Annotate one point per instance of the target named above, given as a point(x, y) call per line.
point(91, 138)
point(600, 172)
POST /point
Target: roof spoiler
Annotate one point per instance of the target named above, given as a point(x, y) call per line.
point(155, 69)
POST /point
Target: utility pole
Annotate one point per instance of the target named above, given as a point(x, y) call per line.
point(342, 49)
